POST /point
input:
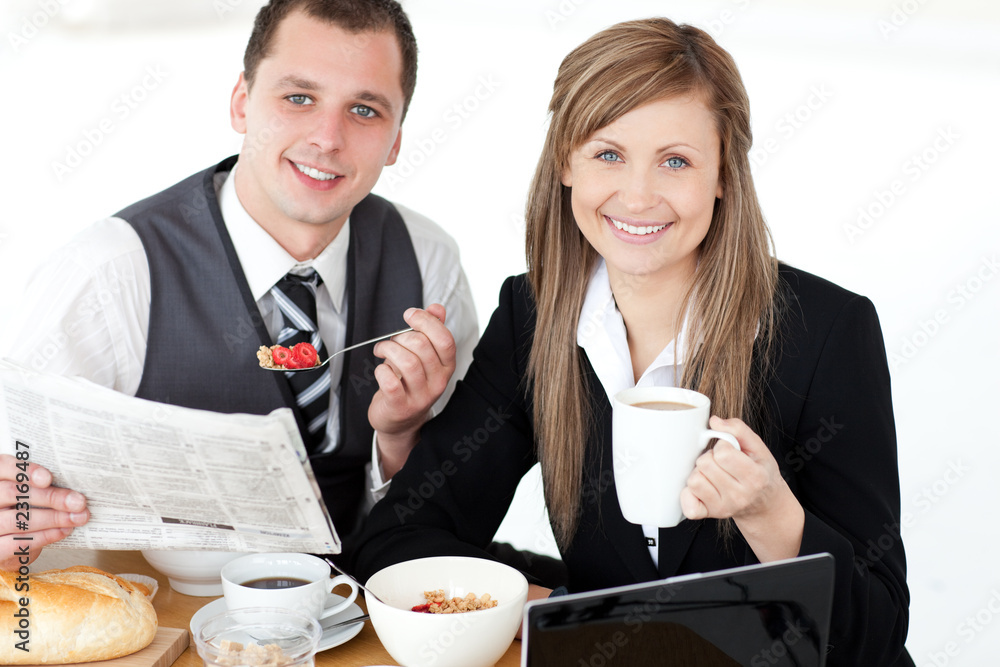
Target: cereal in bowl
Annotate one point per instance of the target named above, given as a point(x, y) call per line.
point(437, 603)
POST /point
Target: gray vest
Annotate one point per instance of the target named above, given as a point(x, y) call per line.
point(205, 327)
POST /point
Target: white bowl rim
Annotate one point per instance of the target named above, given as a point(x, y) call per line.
point(179, 567)
point(427, 559)
point(502, 605)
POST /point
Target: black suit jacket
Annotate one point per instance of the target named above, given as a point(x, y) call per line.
point(828, 422)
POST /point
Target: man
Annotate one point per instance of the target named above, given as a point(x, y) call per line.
point(170, 299)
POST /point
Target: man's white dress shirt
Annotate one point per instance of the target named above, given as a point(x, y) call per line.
point(86, 310)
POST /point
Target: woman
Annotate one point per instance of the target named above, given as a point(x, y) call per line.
point(649, 263)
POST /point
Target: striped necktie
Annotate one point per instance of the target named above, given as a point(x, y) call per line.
point(295, 296)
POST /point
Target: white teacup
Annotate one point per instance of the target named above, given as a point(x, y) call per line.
point(655, 448)
point(309, 596)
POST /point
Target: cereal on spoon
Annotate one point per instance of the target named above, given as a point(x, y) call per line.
point(301, 355)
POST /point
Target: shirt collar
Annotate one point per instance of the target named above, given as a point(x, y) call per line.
point(263, 259)
point(601, 333)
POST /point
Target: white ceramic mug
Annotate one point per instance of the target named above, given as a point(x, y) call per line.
point(309, 598)
point(655, 450)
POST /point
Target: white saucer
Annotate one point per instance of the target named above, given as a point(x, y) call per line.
point(330, 638)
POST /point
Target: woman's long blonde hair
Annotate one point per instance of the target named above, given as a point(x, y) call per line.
point(615, 71)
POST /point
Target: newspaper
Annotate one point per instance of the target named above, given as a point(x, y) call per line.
point(158, 476)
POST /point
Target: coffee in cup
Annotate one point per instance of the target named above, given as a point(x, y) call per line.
point(664, 405)
point(657, 433)
point(300, 582)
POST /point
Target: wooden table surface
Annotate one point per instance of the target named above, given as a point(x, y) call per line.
point(175, 610)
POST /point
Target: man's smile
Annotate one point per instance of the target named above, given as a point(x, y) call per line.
point(312, 172)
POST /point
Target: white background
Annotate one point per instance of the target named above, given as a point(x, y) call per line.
point(845, 94)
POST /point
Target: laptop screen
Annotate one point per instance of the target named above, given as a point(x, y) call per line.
point(767, 615)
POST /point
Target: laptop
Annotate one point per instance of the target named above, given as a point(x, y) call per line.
point(769, 615)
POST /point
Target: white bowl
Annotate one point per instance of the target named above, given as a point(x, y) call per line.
point(191, 572)
point(471, 639)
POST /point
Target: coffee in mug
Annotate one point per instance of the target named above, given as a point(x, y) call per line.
point(275, 582)
point(657, 433)
point(300, 582)
point(664, 405)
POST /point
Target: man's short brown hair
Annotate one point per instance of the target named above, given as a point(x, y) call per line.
point(354, 16)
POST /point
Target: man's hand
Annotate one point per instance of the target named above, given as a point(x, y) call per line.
point(416, 371)
point(49, 514)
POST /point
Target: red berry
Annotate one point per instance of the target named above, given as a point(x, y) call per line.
point(305, 355)
point(422, 608)
point(280, 355)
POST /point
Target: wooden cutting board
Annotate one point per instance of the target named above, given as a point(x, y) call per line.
point(167, 646)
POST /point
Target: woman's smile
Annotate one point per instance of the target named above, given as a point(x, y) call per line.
point(635, 230)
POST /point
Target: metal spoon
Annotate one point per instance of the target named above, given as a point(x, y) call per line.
point(351, 577)
point(350, 621)
point(324, 363)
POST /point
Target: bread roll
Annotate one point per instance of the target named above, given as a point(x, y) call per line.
point(79, 614)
